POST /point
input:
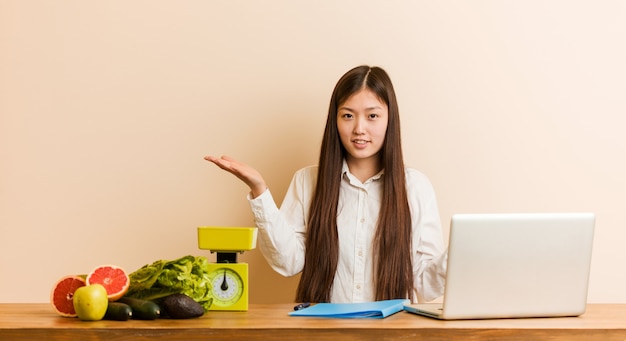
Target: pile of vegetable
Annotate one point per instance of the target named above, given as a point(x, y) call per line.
point(186, 275)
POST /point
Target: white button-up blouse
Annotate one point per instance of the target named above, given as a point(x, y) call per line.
point(282, 232)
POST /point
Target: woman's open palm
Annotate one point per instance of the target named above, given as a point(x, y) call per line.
point(245, 173)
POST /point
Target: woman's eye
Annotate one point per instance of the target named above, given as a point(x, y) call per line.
point(347, 115)
point(373, 116)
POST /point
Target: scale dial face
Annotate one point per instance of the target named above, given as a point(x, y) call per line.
point(227, 286)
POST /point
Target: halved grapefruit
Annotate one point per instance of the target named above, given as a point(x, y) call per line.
point(62, 295)
point(113, 278)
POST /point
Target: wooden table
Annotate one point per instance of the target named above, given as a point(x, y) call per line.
point(271, 322)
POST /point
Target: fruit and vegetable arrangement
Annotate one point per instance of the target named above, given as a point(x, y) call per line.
point(164, 289)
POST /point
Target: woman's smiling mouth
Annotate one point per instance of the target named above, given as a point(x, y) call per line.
point(360, 143)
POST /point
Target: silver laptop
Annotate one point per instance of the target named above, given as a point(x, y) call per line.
point(515, 265)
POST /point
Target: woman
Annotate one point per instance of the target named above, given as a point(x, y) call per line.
point(359, 226)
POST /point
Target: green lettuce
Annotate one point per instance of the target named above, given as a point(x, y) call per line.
point(186, 275)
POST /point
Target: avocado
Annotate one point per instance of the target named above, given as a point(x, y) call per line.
point(181, 306)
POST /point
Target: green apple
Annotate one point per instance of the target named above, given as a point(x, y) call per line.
point(91, 302)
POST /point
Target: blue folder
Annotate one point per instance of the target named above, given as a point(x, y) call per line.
point(378, 309)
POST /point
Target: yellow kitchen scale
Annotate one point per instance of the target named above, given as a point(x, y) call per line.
point(229, 279)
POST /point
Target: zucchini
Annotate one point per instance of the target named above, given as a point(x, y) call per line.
point(118, 311)
point(142, 309)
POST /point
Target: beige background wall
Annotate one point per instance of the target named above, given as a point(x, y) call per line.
point(108, 107)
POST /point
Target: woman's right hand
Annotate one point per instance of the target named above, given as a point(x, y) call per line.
point(245, 173)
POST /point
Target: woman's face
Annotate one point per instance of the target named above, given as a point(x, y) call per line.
point(362, 123)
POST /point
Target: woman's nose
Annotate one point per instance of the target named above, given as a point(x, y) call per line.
point(359, 126)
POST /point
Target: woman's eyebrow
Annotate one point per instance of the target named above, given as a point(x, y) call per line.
point(376, 107)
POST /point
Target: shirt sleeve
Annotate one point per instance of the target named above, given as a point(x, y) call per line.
point(429, 256)
point(282, 231)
